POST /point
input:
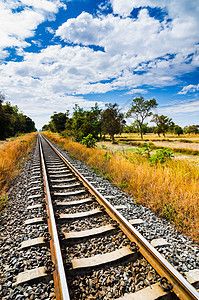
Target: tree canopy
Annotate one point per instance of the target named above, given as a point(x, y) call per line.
point(58, 121)
point(12, 121)
point(112, 120)
point(163, 124)
point(141, 109)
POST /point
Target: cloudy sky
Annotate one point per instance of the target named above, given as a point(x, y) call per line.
point(56, 53)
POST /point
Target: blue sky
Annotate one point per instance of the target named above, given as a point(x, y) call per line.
point(56, 53)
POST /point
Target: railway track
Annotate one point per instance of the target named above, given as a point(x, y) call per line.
point(95, 252)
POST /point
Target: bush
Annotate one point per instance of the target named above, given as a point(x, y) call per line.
point(89, 141)
point(161, 156)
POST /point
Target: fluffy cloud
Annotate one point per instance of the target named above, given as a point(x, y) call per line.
point(143, 44)
point(137, 91)
point(183, 107)
point(189, 88)
point(16, 26)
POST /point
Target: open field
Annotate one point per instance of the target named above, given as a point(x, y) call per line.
point(185, 144)
point(126, 148)
point(155, 137)
point(12, 154)
point(171, 190)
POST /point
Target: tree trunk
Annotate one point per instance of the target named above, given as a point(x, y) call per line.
point(141, 131)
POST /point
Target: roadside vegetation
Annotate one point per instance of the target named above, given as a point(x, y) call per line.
point(12, 155)
point(13, 122)
point(155, 180)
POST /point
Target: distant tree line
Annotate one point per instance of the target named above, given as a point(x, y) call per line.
point(96, 123)
point(13, 122)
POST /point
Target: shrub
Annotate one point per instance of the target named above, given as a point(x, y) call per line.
point(89, 141)
point(161, 156)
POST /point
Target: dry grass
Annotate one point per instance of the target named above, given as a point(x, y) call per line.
point(171, 191)
point(155, 137)
point(179, 145)
point(185, 144)
point(11, 156)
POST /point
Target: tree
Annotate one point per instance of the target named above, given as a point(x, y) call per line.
point(2, 117)
point(29, 125)
point(178, 130)
point(59, 121)
point(141, 109)
point(84, 122)
point(112, 120)
point(163, 124)
point(78, 112)
point(191, 129)
point(13, 122)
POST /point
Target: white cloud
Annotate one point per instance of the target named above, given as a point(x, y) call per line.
point(189, 88)
point(15, 27)
point(142, 44)
point(137, 91)
point(49, 29)
point(183, 107)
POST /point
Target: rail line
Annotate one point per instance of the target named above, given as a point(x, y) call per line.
point(76, 214)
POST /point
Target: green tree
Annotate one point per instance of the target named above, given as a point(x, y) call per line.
point(191, 129)
point(112, 120)
point(45, 127)
point(178, 130)
point(29, 125)
point(58, 121)
point(12, 121)
point(78, 112)
point(141, 109)
point(163, 123)
point(2, 117)
point(84, 122)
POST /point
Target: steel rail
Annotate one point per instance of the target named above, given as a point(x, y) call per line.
point(181, 287)
point(60, 282)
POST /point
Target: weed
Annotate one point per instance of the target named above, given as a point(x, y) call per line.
point(123, 184)
point(107, 156)
point(104, 147)
point(3, 200)
point(161, 156)
point(169, 212)
point(89, 141)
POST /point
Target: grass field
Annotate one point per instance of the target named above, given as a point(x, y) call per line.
point(171, 190)
point(185, 144)
point(12, 154)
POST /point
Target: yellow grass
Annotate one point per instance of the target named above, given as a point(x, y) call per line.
point(152, 136)
point(171, 191)
point(11, 156)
